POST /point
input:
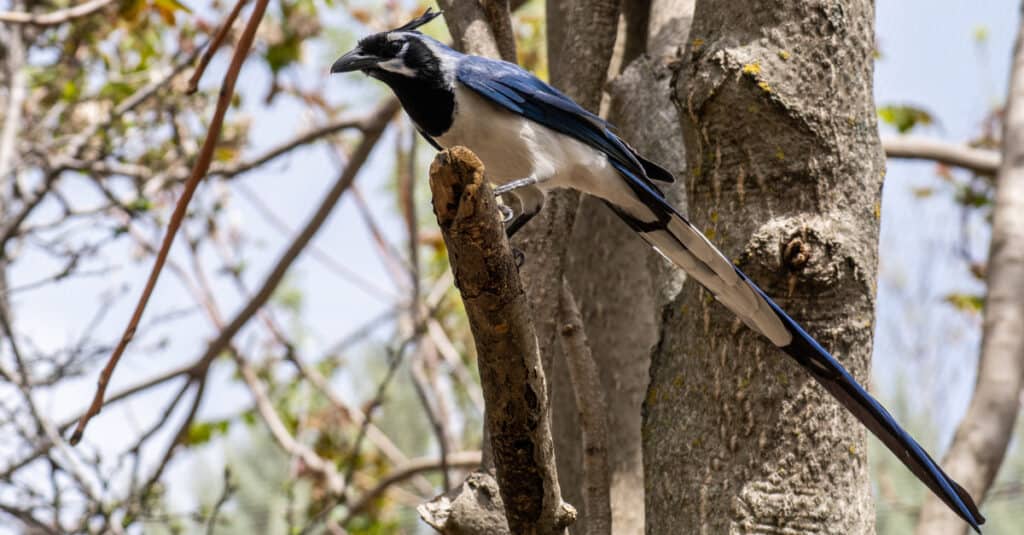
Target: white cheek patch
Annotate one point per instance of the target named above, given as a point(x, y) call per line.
point(397, 66)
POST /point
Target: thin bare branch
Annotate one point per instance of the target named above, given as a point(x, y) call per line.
point(436, 420)
point(16, 92)
point(980, 161)
point(55, 17)
point(333, 127)
point(593, 415)
point(218, 38)
point(199, 171)
point(459, 459)
point(284, 439)
point(211, 522)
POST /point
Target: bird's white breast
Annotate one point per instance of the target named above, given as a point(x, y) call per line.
point(513, 147)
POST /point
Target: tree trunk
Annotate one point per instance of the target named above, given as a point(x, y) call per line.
point(785, 174)
point(616, 278)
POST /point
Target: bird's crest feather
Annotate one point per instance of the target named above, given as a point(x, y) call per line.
point(426, 17)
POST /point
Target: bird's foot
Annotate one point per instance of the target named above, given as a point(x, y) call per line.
point(506, 214)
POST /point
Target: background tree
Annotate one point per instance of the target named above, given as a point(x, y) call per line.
point(305, 366)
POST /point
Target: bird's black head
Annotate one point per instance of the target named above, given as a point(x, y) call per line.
point(402, 51)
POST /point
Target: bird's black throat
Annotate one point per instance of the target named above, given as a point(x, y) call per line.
point(427, 100)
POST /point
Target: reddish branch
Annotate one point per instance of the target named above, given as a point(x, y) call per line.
point(227, 91)
point(512, 378)
point(218, 38)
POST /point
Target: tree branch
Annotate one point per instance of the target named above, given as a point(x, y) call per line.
point(325, 468)
point(511, 373)
point(980, 161)
point(593, 415)
point(981, 440)
point(227, 90)
point(481, 28)
point(15, 98)
point(372, 135)
point(55, 17)
point(461, 459)
point(218, 38)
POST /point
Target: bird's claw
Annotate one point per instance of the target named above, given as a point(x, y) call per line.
point(506, 213)
point(519, 257)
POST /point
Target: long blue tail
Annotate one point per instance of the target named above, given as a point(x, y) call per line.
point(840, 383)
point(658, 223)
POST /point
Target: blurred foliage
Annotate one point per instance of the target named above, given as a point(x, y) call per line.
point(904, 117)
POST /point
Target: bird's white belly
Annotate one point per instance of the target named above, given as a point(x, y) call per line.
point(513, 147)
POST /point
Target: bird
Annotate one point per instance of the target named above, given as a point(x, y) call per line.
point(532, 139)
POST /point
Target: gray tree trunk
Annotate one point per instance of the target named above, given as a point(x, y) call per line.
point(614, 275)
point(785, 173)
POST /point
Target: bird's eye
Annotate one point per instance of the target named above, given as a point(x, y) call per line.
point(394, 48)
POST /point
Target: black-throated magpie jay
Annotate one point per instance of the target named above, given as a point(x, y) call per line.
point(532, 138)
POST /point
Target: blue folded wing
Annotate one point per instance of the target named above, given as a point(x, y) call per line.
point(518, 91)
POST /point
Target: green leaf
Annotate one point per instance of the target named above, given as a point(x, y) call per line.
point(140, 204)
point(904, 118)
point(289, 298)
point(172, 5)
point(966, 302)
point(201, 432)
point(973, 197)
point(69, 92)
point(282, 54)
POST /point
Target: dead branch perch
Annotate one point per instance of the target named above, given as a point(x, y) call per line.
point(518, 414)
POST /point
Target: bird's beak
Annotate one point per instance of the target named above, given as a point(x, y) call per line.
point(354, 61)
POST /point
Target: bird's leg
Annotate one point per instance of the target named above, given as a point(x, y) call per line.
point(529, 197)
point(515, 184)
point(530, 200)
point(512, 226)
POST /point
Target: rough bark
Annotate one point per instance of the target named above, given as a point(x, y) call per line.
point(785, 171)
point(472, 508)
point(511, 374)
point(619, 281)
point(482, 28)
point(616, 278)
point(984, 433)
point(581, 38)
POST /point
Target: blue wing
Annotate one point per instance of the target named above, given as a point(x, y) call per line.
point(521, 92)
